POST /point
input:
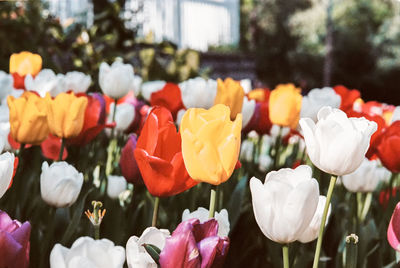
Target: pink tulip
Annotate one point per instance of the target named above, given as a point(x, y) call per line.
point(393, 232)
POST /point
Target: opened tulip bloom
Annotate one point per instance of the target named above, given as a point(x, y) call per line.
point(337, 144)
point(195, 244)
point(116, 80)
point(136, 255)
point(6, 171)
point(285, 105)
point(159, 157)
point(66, 114)
point(210, 143)
point(203, 215)
point(87, 252)
point(14, 242)
point(28, 118)
point(286, 203)
point(230, 93)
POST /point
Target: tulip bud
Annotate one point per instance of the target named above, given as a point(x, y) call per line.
point(115, 186)
point(60, 184)
point(6, 171)
point(116, 80)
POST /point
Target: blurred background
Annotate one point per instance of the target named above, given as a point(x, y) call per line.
point(312, 43)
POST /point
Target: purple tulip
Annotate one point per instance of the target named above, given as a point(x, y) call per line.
point(195, 244)
point(127, 162)
point(14, 242)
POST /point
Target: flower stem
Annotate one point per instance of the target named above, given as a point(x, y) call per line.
point(113, 117)
point(213, 196)
point(323, 220)
point(96, 231)
point(61, 149)
point(285, 252)
point(155, 211)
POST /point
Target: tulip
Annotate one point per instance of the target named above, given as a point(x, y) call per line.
point(116, 80)
point(198, 92)
point(6, 85)
point(311, 232)
point(367, 177)
point(87, 252)
point(159, 157)
point(286, 203)
point(393, 232)
point(51, 148)
point(395, 115)
point(348, 97)
point(46, 82)
point(202, 215)
point(246, 85)
point(115, 186)
point(60, 184)
point(150, 87)
point(230, 93)
point(248, 110)
point(195, 244)
point(124, 116)
point(169, 97)
point(25, 63)
point(316, 99)
point(6, 171)
point(77, 82)
point(137, 84)
point(259, 94)
point(210, 143)
point(285, 105)
point(28, 118)
point(337, 144)
point(388, 147)
point(66, 114)
point(136, 255)
point(14, 242)
point(246, 151)
point(127, 162)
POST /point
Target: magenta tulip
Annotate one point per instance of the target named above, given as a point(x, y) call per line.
point(393, 232)
point(127, 162)
point(14, 242)
point(195, 244)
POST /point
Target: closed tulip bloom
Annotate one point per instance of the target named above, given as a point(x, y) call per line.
point(366, 177)
point(136, 254)
point(311, 232)
point(60, 184)
point(14, 242)
point(46, 82)
point(28, 118)
point(388, 147)
point(78, 82)
point(347, 96)
point(6, 85)
point(230, 93)
point(6, 171)
point(66, 114)
point(393, 232)
point(198, 92)
point(150, 87)
point(116, 80)
point(316, 99)
point(169, 97)
point(210, 143)
point(87, 252)
point(248, 110)
point(285, 105)
point(124, 115)
point(337, 144)
point(203, 215)
point(159, 157)
point(25, 63)
point(127, 161)
point(115, 186)
point(286, 203)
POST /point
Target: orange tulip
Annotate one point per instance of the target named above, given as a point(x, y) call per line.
point(230, 93)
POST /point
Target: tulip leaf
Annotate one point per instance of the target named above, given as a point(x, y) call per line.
point(153, 251)
point(236, 200)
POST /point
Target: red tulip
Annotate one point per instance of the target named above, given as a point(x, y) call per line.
point(388, 147)
point(51, 148)
point(159, 156)
point(393, 232)
point(127, 162)
point(19, 81)
point(169, 97)
point(348, 97)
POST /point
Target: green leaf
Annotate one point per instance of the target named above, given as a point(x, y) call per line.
point(153, 251)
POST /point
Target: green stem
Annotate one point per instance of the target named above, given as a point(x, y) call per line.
point(155, 211)
point(212, 201)
point(323, 220)
point(61, 149)
point(366, 206)
point(113, 117)
point(96, 231)
point(285, 252)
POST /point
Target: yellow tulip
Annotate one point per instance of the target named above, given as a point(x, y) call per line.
point(257, 94)
point(230, 93)
point(66, 114)
point(25, 63)
point(285, 105)
point(210, 143)
point(28, 118)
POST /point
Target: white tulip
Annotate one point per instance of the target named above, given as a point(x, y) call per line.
point(124, 116)
point(203, 215)
point(136, 255)
point(316, 99)
point(198, 92)
point(337, 144)
point(6, 85)
point(78, 82)
point(115, 186)
point(60, 184)
point(279, 131)
point(246, 85)
point(264, 162)
point(246, 150)
point(150, 87)
point(6, 171)
point(116, 80)
point(46, 81)
point(248, 108)
point(286, 203)
point(179, 116)
point(367, 177)
point(312, 231)
point(4, 131)
point(86, 252)
point(137, 84)
point(396, 114)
